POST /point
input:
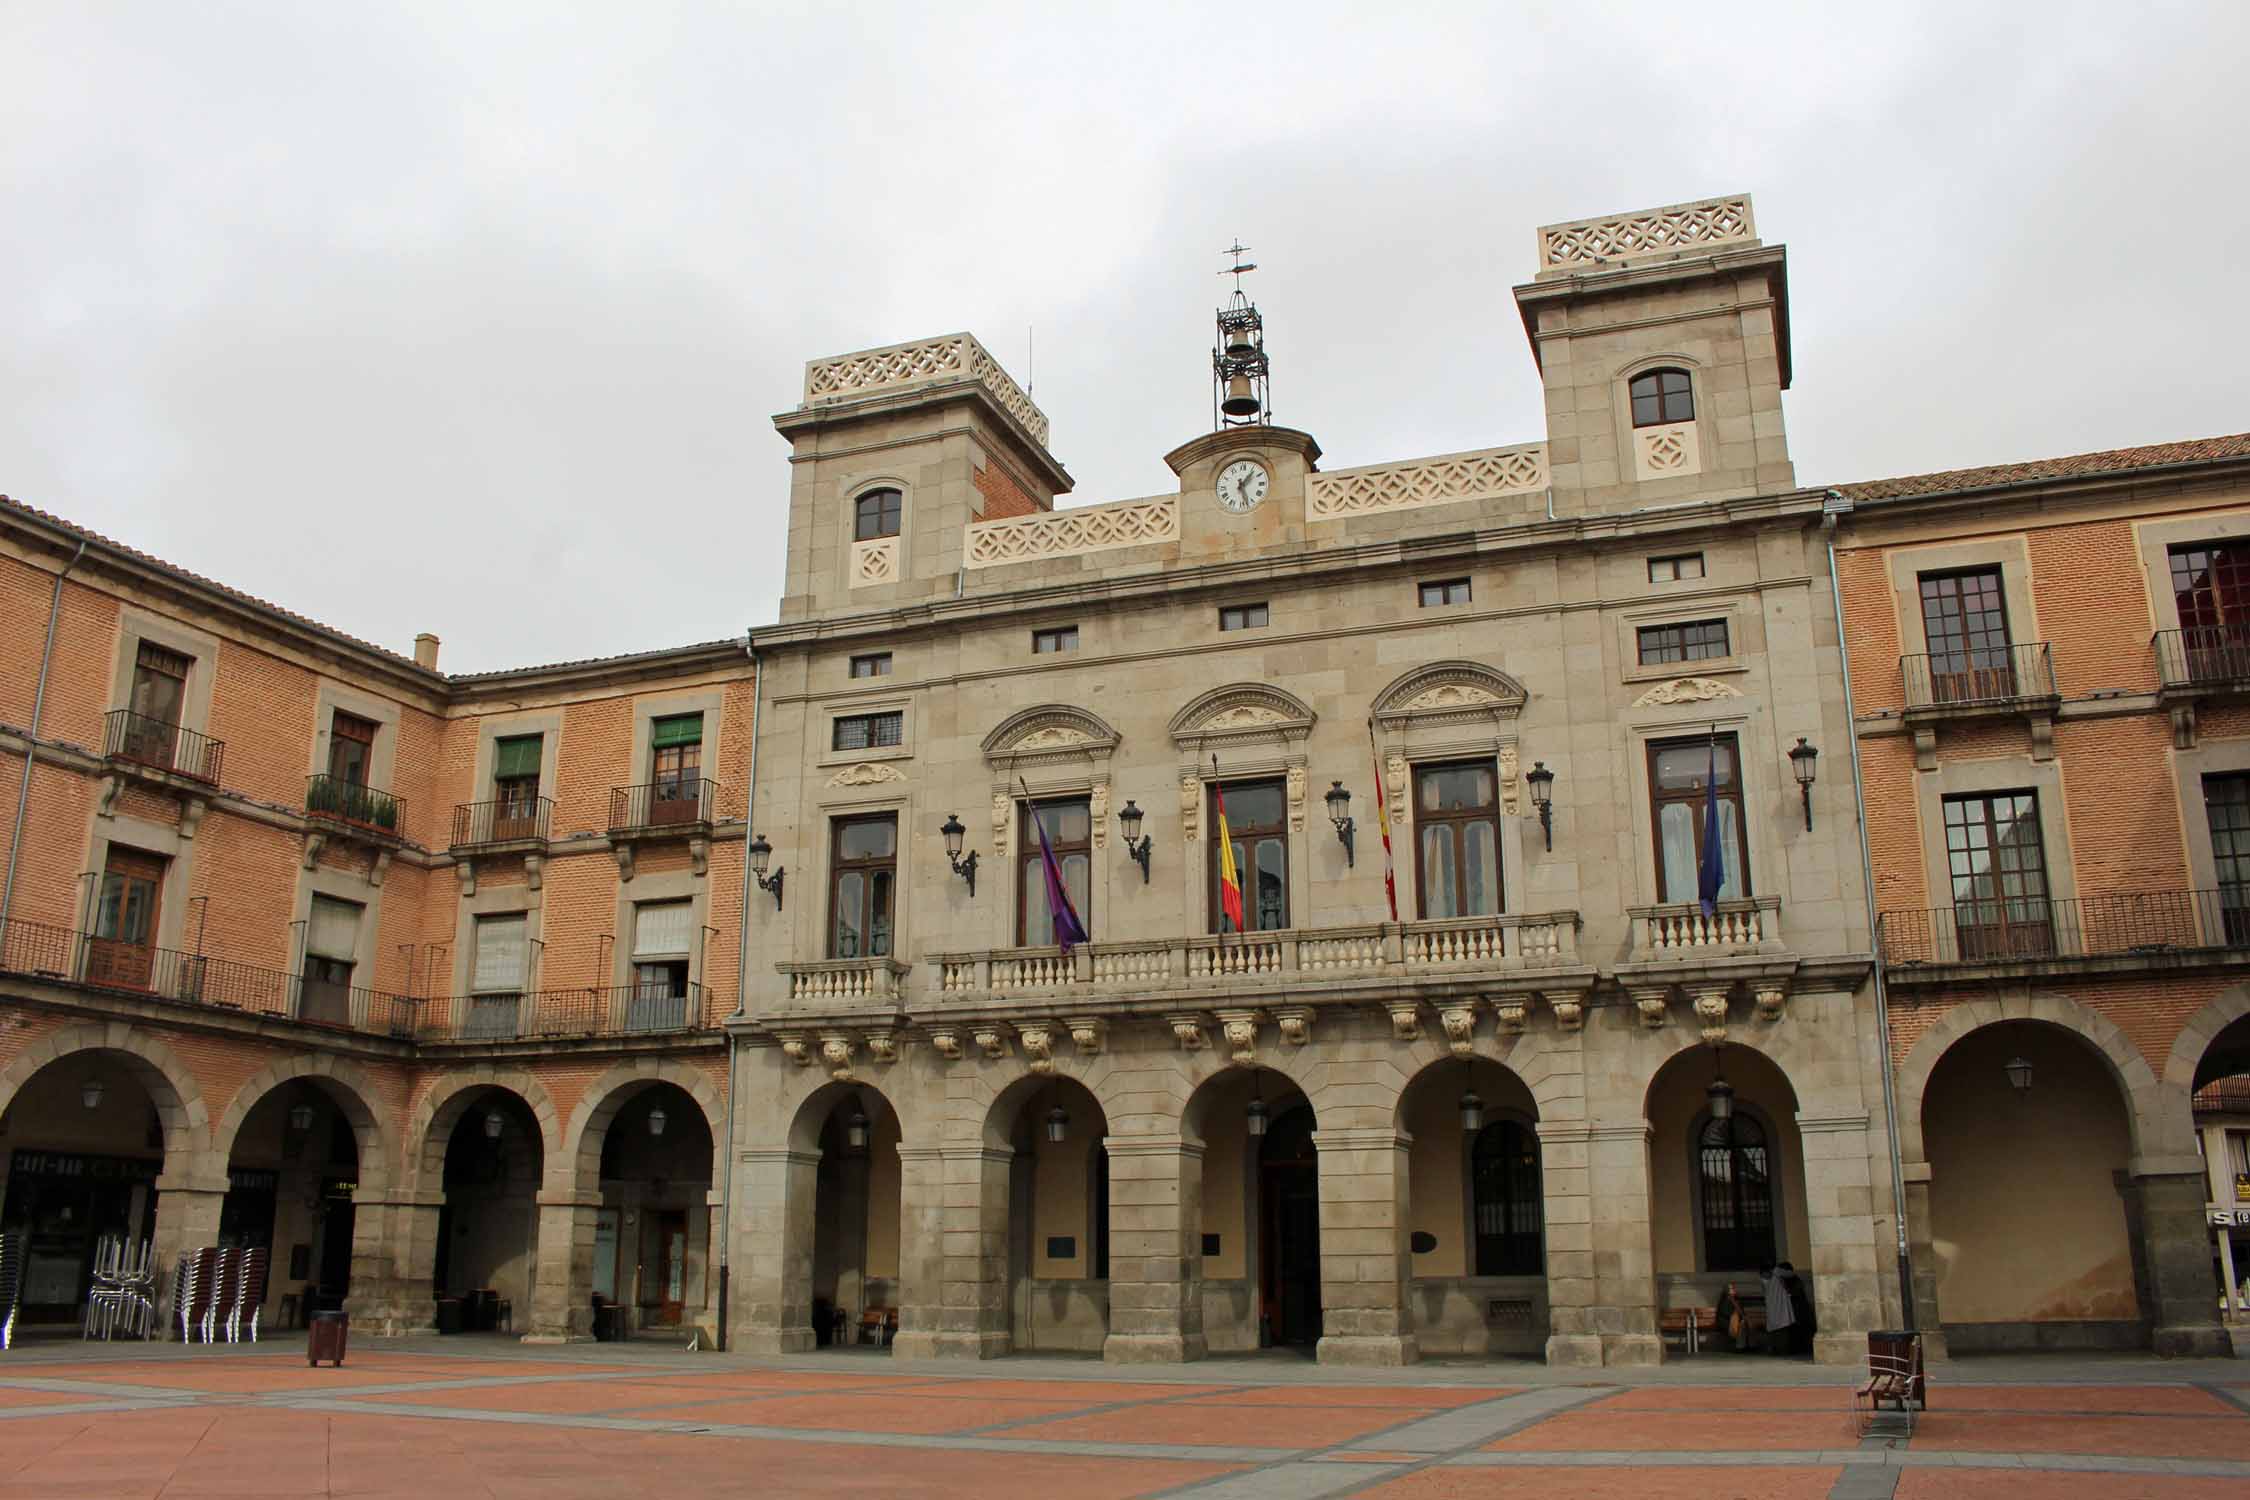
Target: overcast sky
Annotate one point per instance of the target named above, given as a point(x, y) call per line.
point(472, 317)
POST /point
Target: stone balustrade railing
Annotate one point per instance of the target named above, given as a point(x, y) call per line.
point(1441, 480)
point(954, 356)
point(844, 981)
point(1680, 930)
point(1614, 237)
point(1067, 533)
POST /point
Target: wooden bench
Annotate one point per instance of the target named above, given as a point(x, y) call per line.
point(878, 1325)
point(1688, 1328)
point(1895, 1380)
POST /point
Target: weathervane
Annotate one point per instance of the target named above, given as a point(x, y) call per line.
point(1238, 250)
point(1239, 368)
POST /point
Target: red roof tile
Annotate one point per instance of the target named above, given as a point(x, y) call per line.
point(1953, 481)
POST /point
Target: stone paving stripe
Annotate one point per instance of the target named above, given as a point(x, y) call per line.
point(1188, 1394)
point(1865, 1482)
point(1489, 1421)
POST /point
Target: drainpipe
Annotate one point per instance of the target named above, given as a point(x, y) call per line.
point(31, 743)
point(741, 986)
point(1833, 504)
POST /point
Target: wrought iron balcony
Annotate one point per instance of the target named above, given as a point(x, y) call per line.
point(353, 808)
point(681, 805)
point(2197, 663)
point(1996, 678)
point(2158, 926)
point(133, 742)
point(508, 822)
point(587, 1011)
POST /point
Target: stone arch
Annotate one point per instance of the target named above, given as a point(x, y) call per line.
point(1555, 1076)
point(1453, 691)
point(2156, 1131)
point(1048, 729)
point(606, 1095)
point(1239, 711)
point(2196, 1037)
point(1001, 1106)
point(430, 1128)
point(349, 1085)
point(812, 1111)
point(169, 1081)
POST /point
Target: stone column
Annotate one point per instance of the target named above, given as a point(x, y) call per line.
point(1623, 1315)
point(1921, 1246)
point(1155, 1250)
point(562, 1272)
point(962, 1269)
point(714, 1204)
point(2176, 1245)
point(187, 1218)
point(394, 1262)
point(775, 1199)
point(1565, 1154)
point(1842, 1261)
point(1364, 1264)
point(921, 1250)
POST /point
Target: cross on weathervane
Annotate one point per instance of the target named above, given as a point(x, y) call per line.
point(1238, 250)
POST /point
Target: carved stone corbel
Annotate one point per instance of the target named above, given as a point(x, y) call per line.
point(1295, 1024)
point(797, 1049)
point(1711, 1010)
point(2042, 737)
point(623, 849)
point(1296, 782)
point(1925, 747)
point(1191, 803)
point(1097, 810)
point(946, 1044)
point(1087, 1033)
point(466, 873)
point(836, 1054)
point(882, 1046)
point(112, 784)
point(1188, 1031)
point(699, 855)
point(534, 870)
point(1771, 1000)
point(1514, 1012)
point(315, 841)
point(1569, 1007)
point(1508, 780)
point(992, 1042)
point(1406, 1021)
point(1038, 1044)
point(1240, 1028)
point(2183, 726)
point(1394, 771)
point(1653, 1001)
point(1460, 1023)
point(378, 867)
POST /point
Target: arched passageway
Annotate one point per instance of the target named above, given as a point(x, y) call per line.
point(1476, 1211)
point(652, 1233)
point(1261, 1211)
point(856, 1220)
point(1058, 1215)
point(488, 1231)
point(293, 1170)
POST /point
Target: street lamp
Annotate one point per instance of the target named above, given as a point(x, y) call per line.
point(656, 1120)
point(965, 867)
point(1340, 814)
point(90, 1093)
point(1058, 1124)
point(1136, 842)
point(2019, 1074)
point(1720, 1093)
point(1542, 784)
point(855, 1130)
point(1254, 1117)
point(300, 1117)
point(494, 1123)
point(1801, 758)
point(761, 853)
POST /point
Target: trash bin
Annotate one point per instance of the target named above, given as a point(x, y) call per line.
point(609, 1323)
point(326, 1341)
point(449, 1314)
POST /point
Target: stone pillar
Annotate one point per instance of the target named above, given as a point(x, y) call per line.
point(1565, 1154)
point(775, 1199)
point(1623, 1315)
point(2176, 1245)
point(562, 1272)
point(1155, 1250)
point(953, 1252)
point(1921, 1245)
point(187, 1218)
point(1842, 1263)
point(714, 1205)
point(1364, 1262)
point(394, 1262)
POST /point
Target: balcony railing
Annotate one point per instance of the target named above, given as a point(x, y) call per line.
point(1681, 930)
point(62, 955)
point(1989, 677)
point(133, 739)
point(682, 802)
point(1373, 951)
point(2203, 656)
point(845, 981)
point(331, 799)
point(511, 820)
point(588, 1011)
point(2000, 930)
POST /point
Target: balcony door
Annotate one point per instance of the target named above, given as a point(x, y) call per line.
point(122, 949)
point(2211, 586)
point(1965, 620)
point(1258, 823)
point(1070, 826)
point(1679, 773)
point(1457, 840)
point(515, 787)
point(2226, 805)
point(1998, 867)
point(331, 946)
point(159, 693)
point(676, 769)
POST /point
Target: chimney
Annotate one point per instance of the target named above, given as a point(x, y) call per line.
point(425, 651)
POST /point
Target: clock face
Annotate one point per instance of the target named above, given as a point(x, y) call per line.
point(1242, 484)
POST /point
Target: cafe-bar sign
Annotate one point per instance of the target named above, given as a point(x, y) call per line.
point(2237, 1218)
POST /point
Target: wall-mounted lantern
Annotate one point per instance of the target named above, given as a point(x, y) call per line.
point(2019, 1074)
point(855, 1130)
point(1340, 814)
point(90, 1093)
point(656, 1120)
point(1542, 784)
point(964, 866)
point(1801, 760)
point(494, 1123)
point(300, 1117)
point(761, 853)
point(1136, 842)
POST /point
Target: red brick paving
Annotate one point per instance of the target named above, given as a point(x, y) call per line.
point(2136, 1398)
point(2132, 1437)
point(1433, 1398)
point(2054, 1484)
point(12, 1396)
point(1594, 1430)
point(1729, 1398)
point(1216, 1422)
point(1546, 1483)
point(847, 1413)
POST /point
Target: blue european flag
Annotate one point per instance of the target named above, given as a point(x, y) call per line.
point(1713, 875)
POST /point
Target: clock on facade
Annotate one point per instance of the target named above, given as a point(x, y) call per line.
point(1242, 484)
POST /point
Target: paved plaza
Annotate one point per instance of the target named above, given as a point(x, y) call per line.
point(476, 1418)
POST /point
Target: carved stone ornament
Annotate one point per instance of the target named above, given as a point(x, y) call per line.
point(946, 1044)
point(1242, 716)
point(1406, 1022)
point(1460, 1024)
point(992, 1042)
point(1653, 1003)
point(1569, 1009)
point(1450, 692)
point(1711, 1011)
point(866, 773)
point(1242, 1039)
point(882, 1046)
point(797, 1050)
point(1770, 999)
point(1514, 1012)
point(1188, 1031)
point(1686, 690)
point(1191, 803)
point(1451, 695)
point(1038, 1045)
point(1003, 815)
point(1296, 799)
point(836, 1054)
point(1053, 737)
point(1087, 1034)
point(1097, 812)
point(1296, 1026)
point(1239, 712)
point(1394, 771)
point(1508, 780)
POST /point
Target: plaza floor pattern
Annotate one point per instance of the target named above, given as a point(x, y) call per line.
point(455, 1418)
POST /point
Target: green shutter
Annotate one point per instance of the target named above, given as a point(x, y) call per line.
point(516, 757)
point(679, 729)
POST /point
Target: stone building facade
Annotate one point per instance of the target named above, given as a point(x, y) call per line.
point(1539, 653)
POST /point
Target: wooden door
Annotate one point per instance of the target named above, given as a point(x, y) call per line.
point(1965, 621)
point(671, 1265)
point(676, 784)
point(122, 949)
point(1289, 1229)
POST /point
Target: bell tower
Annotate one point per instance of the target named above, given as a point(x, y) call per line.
point(1240, 392)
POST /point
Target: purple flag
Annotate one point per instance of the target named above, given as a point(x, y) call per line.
point(1068, 928)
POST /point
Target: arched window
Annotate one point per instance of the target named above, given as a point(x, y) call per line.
point(1735, 1170)
point(1504, 1189)
point(1661, 397)
point(875, 514)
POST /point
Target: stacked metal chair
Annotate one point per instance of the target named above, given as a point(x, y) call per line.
point(245, 1295)
point(124, 1291)
point(195, 1290)
point(11, 1285)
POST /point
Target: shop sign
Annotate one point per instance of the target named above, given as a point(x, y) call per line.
point(87, 1168)
point(2236, 1218)
point(254, 1179)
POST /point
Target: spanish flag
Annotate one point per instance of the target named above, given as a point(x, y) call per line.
point(1230, 880)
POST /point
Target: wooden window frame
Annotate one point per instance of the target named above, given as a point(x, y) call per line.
point(1028, 862)
point(1729, 788)
point(345, 729)
point(1675, 402)
point(839, 867)
point(1968, 643)
point(1054, 641)
point(873, 727)
point(1244, 617)
point(871, 664)
point(877, 513)
point(2011, 921)
point(1438, 593)
point(1244, 869)
point(1457, 824)
point(1664, 645)
point(1673, 567)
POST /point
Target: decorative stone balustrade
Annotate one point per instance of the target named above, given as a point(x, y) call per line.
point(844, 981)
point(1682, 931)
point(1442, 480)
point(1067, 533)
point(954, 356)
point(1655, 231)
